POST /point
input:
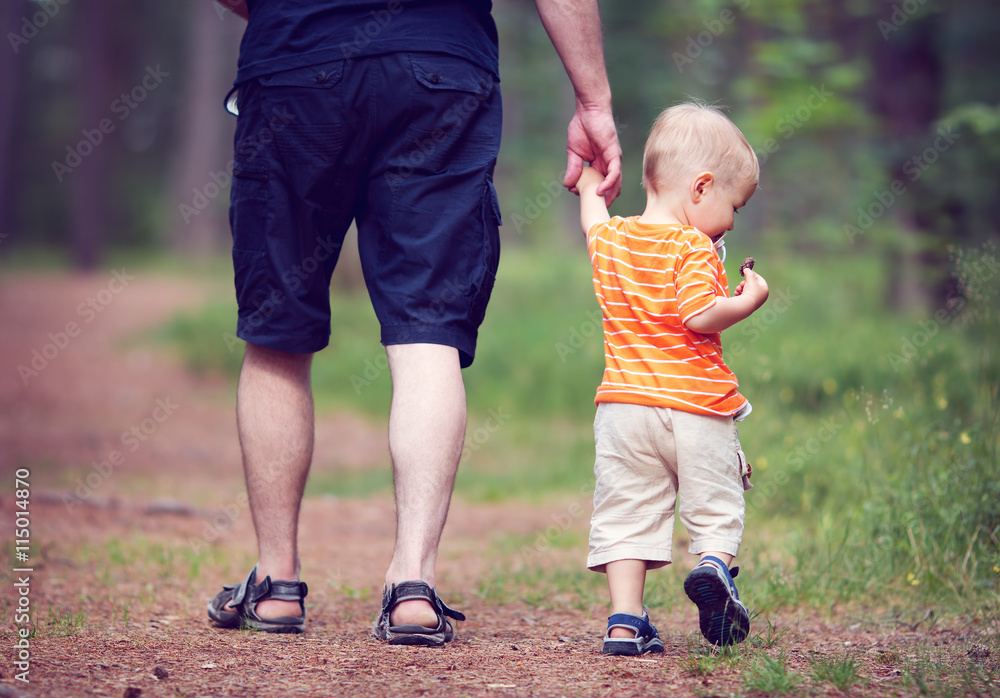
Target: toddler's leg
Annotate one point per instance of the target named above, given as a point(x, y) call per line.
point(626, 580)
point(632, 522)
point(726, 558)
point(629, 631)
point(712, 508)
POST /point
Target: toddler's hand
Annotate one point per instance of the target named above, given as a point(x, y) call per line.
point(589, 178)
point(754, 287)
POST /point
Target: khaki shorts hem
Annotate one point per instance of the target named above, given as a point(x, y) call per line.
point(717, 545)
point(654, 557)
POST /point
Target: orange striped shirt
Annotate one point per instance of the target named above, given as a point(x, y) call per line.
point(649, 279)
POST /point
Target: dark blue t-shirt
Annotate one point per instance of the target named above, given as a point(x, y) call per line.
point(284, 34)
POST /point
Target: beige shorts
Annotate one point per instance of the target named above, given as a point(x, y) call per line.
point(647, 458)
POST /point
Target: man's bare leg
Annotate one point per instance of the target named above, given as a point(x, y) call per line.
point(426, 433)
point(274, 413)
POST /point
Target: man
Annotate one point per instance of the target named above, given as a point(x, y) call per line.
point(388, 115)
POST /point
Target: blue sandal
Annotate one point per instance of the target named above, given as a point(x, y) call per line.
point(646, 638)
point(723, 618)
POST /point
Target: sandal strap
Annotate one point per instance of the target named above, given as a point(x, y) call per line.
point(418, 590)
point(252, 593)
point(639, 624)
point(287, 589)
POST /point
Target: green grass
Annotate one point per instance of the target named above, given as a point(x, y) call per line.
point(770, 675)
point(843, 672)
point(874, 436)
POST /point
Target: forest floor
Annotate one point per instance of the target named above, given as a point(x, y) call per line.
point(137, 517)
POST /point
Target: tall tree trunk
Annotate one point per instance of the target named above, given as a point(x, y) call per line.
point(96, 90)
point(197, 217)
point(10, 81)
point(906, 95)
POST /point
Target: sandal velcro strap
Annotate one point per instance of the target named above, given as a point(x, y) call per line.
point(277, 589)
point(630, 622)
point(418, 590)
point(646, 638)
point(415, 590)
point(236, 605)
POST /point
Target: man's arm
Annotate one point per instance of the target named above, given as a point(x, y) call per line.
point(593, 210)
point(574, 27)
point(238, 7)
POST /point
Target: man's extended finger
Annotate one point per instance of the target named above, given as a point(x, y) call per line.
point(574, 167)
point(611, 187)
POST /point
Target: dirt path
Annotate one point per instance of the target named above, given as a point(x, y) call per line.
point(127, 548)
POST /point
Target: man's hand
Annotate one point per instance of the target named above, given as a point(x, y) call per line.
point(592, 138)
point(237, 7)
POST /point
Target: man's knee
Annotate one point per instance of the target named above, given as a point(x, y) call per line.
point(257, 354)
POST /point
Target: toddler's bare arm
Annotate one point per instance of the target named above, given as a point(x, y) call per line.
point(593, 210)
point(726, 312)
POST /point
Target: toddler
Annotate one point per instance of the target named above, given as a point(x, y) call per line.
point(667, 406)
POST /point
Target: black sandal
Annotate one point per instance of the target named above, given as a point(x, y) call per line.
point(245, 597)
point(415, 634)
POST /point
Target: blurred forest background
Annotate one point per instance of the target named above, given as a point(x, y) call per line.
point(877, 123)
point(873, 368)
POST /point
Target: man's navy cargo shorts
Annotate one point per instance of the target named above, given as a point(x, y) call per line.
point(404, 144)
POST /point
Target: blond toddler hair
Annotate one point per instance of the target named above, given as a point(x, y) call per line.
point(693, 137)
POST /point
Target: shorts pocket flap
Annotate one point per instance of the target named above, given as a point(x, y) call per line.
point(320, 76)
point(451, 73)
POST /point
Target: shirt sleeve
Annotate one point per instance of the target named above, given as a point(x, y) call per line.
point(697, 281)
point(592, 233)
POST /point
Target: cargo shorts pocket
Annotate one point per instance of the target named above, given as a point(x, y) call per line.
point(455, 114)
point(491, 255)
point(746, 470)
